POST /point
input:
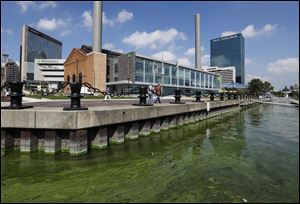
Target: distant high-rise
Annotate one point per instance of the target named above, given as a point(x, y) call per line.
point(36, 45)
point(229, 51)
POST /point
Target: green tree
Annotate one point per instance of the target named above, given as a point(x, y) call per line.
point(267, 87)
point(255, 87)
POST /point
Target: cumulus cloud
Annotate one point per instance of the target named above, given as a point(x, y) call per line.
point(37, 5)
point(184, 61)
point(107, 21)
point(205, 60)
point(249, 77)
point(24, 5)
point(65, 33)
point(288, 65)
point(111, 46)
point(124, 16)
point(155, 39)
point(248, 61)
point(250, 31)
point(87, 19)
point(166, 56)
point(190, 52)
point(53, 24)
point(6, 31)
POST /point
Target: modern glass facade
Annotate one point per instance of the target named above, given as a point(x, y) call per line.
point(229, 51)
point(171, 76)
point(36, 45)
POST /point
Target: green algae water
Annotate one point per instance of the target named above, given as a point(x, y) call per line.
point(247, 156)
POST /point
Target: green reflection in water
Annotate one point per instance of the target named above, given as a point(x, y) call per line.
point(251, 155)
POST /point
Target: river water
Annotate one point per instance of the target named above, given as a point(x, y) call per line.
point(247, 156)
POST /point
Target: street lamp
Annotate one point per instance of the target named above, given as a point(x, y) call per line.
point(128, 71)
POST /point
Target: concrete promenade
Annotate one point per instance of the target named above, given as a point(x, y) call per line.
point(50, 129)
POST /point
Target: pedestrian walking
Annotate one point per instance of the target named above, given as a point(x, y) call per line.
point(107, 94)
point(150, 93)
point(157, 93)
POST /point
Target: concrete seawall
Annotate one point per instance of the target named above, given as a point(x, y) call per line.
point(53, 130)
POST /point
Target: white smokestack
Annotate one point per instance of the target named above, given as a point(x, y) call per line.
point(97, 26)
point(197, 42)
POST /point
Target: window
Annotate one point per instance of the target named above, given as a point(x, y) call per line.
point(181, 76)
point(187, 77)
point(174, 75)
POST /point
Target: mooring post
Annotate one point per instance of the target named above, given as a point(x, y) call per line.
point(143, 96)
point(177, 97)
point(75, 97)
point(16, 96)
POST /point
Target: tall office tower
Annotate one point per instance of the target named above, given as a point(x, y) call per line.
point(36, 45)
point(229, 51)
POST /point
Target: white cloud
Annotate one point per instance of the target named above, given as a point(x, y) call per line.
point(250, 31)
point(111, 46)
point(124, 16)
point(190, 52)
point(166, 56)
point(248, 61)
point(107, 21)
point(53, 24)
point(7, 31)
point(24, 5)
point(249, 77)
point(155, 39)
point(205, 60)
point(184, 61)
point(87, 19)
point(46, 4)
point(288, 65)
point(226, 33)
point(65, 33)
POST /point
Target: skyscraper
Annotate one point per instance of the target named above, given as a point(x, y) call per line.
point(229, 51)
point(36, 45)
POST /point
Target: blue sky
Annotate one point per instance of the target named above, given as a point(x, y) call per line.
point(166, 29)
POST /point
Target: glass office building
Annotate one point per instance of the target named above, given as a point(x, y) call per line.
point(229, 51)
point(36, 45)
point(135, 70)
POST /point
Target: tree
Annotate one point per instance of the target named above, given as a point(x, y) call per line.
point(267, 87)
point(255, 86)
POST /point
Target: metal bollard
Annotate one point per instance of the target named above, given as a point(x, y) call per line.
point(177, 97)
point(16, 96)
point(75, 97)
point(143, 97)
point(198, 96)
point(235, 97)
point(212, 96)
point(222, 96)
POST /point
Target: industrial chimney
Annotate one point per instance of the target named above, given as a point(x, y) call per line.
point(197, 42)
point(97, 26)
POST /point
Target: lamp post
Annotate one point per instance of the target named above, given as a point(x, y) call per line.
point(128, 71)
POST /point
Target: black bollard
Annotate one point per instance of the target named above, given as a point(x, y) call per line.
point(235, 97)
point(16, 96)
point(222, 96)
point(212, 96)
point(198, 96)
point(177, 97)
point(75, 97)
point(143, 96)
point(229, 96)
